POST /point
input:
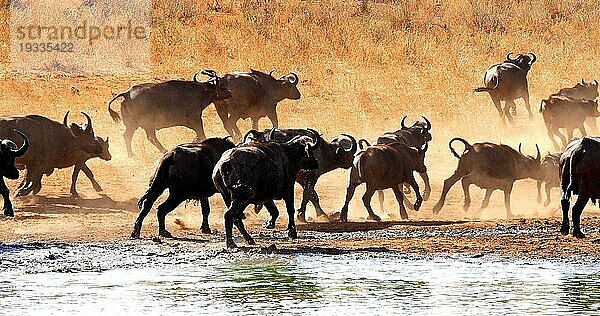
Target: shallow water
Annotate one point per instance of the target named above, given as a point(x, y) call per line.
point(300, 283)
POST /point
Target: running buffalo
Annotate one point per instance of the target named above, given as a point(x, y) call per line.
point(490, 167)
point(53, 145)
point(550, 179)
point(570, 114)
point(187, 172)
point(585, 91)
point(8, 154)
point(507, 82)
point(154, 106)
point(254, 95)
point(260, 173)
point(385, 166)
point(579, 174)
point(339, 153)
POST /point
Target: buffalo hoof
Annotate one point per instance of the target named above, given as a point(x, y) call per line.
point(165, 233)
point(426, 195)
point(293, 234)
point(578, 234)
point(403, 215)
point(74, 195)
point(205, 230)
point(98, 188)
point(269, 224)
point(251, 241)
point(257, 208)
point(374, 217)
point(231, 244)
point(546, 203)
point(301, 218)
point(418, 205)
point(466, 207)
point(409, 206)
point(564, 229)
point(8, 212)
point(437, 208)
point(135, 234)
point(323, 216)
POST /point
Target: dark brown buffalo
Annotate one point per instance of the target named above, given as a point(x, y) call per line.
point(550, 179)
point(385, 166)
point(570, 114)
point(339, 153)
point(52, 146)
point(579, 175)
point(585, 91)
point(8, 154)
point(154, 106)
point(186, 172)
point(507, 82)
point(254, 95)
point(258, 173)
point(82, 166)
point(490, 167)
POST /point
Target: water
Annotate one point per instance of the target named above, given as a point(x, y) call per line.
point(304, 284)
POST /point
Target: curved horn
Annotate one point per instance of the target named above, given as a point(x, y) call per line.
point(582, 82)
point(316, 139)
point(292, 78)
point(270, 135)
point(354, 143)
point(508, 56)
point(21, 151)
point(224, 138)
point(595, 82)
point(271, 72)
point(248, 133)
point(533, 58)
point(520, 149)
point(428, 123)
point(89, 127)
point(65, 119)
point(402, 123)
point(196, 78)
point(539, 156)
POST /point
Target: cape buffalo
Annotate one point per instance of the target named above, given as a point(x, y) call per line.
point(8, 153)
point(154, 106)
point(549, 169)
point(579, 174)
point(254, 95)
point(53, 146)
point(585, 91)
point(416, 135)
point(384, 166)
point(260, 173)
point(508, 82)
point(339, 153)
point(490, 167)
point(562, 112)
point(187, 172)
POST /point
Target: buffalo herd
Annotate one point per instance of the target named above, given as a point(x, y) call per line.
point(262, 166)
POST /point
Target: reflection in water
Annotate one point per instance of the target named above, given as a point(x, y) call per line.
point(345, 284)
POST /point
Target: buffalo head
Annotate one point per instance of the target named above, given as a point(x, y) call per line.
point(306, 159)
point(105, 155)
point(532, 166)
point(588, 90)
point(84, 135)
point(419, 128)
point(213, 84)
point(347, 147)
point(288, 86)
point(523, 61)
point(8, 153)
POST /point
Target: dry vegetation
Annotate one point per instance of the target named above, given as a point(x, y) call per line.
point(362, 64)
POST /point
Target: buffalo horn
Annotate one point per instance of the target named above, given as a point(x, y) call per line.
point(428, 123)
point(21, 151)
point(354, 143)
point(88, 128)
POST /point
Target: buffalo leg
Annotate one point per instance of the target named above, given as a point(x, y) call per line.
point(367, 202)
point(352, 184)
point(232, 214)
point(448, 183)
point(255, 122)
point(509, 104)
point(313, 197)
point(400, 199)
point(406, 201)
point(165, 208)
point(486, 200)
point(413, 183)
point(466, 182)
point(128, 136)
point(582, 130)
point(145, 205)
point(205, 206)
point(547, 187)
point(427, 191)
point(527, 105)
point(381, 196)
point(577, 210)
point(498, 106)
point(8, 209)
point(198, 128)
point(239, 223)
point(273, 117)
point(507, 192)
point(539, 191)
point(151, 135)
point(569, 135)
point(551, 133)
point(74, 176)
point(273, 212)
point(88, 172)
point(289, 204)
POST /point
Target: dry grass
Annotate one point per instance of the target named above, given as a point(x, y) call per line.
point(363, 64)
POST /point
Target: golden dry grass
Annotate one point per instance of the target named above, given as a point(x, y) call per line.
point(362, 64)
